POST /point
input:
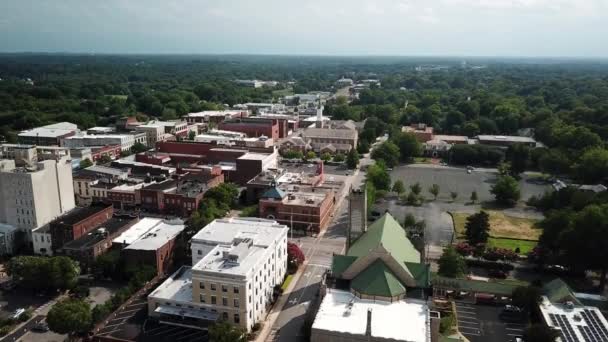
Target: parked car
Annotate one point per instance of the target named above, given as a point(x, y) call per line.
point(499, 274)
point(41, 327)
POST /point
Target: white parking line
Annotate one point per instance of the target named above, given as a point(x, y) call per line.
point(468, 319)
point(467, 316)
point(468, 323)
point(515, 329)
point(515, 335)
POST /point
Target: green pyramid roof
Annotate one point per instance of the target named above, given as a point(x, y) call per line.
point(389, 233)
point(274, 192)
point(378, 280)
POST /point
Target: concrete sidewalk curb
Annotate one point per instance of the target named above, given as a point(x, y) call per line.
point(278, 307)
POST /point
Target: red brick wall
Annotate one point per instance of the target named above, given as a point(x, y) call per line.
point(184, 147)
point(161, 259)
point(269, 129)
point(92, 222)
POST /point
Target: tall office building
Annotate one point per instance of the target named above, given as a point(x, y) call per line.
point(32, 196)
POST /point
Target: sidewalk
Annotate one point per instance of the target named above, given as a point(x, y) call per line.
point(278, 306)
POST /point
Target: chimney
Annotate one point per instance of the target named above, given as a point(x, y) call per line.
point(368, 328)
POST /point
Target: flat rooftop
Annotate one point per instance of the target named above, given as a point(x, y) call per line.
point(178, 287)
point(575, 323)
point(158, 236)
point(214, 113)
point(310, 199)
point(506, 138)
point(78, 214)
point(254, 156)
point(342, 312)
point(215, 261)
point(224, 231)
point(111, 226)
point(138, 230)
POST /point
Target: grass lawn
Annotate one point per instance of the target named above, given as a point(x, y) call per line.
point(282, 92)
point(286, 282)
point(249, 211)
point(504, 230)
point(525, 246)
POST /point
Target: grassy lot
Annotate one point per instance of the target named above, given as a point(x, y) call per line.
point(250, 211)
point(287, 282)
point(524, 246)
point(505, 231)
point(282, 92)
point(120, 97)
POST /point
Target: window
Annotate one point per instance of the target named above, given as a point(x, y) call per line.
point(224, 288)
point(213, 300)
point(236, 303)
point(201, 285)
point(199, 252)
point(202, 298)
point(249, 299)
point(213, 288)
point(224, 301)
point(235, 289)
point(225, 316)
point(237, 319)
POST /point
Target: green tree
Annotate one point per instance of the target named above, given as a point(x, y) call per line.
point(387, 152)
point(339, 157)
point(593, 166)
point(477, 228)
point(326, 157)
point(453, 195)
point(105, 159)
point(138, 148)
point(416, 188)
point(434, 190)
point(191, 135)
point(519, 158)
point(352, 159)
point(504, 169)
point(473, 197)
point(398, 187)
point(310, 155)
point(293, 154)
point(506, 190)
point(84, 163)
point(540, 333)
point(226, 332)
point(70, 316)
point(526, 297)
point(379, 177)
point(408, 147)
point(409, 221)
point(451, 264)
point(36, 272)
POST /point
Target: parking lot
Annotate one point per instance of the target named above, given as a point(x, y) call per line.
point(481, 323)
point(153, 331)
point(452, 179)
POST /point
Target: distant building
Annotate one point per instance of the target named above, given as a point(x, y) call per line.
point(505, 140)
point(156, 247)
point(32, 196)
point(380, 277)
point(256, 83)
point(124, 140)
point(49, 135)
point(255, 127)
point(30, 155)
point(42, 241)
point(341, 140)
point(7, 239)
point(344, 82)
point(237, 263)
point(434, 145)
point(215, 116)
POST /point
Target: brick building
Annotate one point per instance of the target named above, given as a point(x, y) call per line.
point(305, 210)
point(155, 248)
point(178, 196)
point(255, 127)
point(77, 222)
point(89, 246)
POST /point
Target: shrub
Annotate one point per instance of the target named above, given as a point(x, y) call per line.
point(464, 249)
point(489, 264)
point(494, 254)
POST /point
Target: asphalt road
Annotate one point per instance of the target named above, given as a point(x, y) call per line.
point(17, 334)
point(318, 252)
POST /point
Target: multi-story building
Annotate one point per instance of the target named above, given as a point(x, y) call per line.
point(255, 126)
point(155, 248)
point(32, 196)
point(7, 239)
point(125, 140)
point(154, 133)
point(320, 137)
point(215, 116)
point(42, 241)
point(88, 247)
point(49, 135)
point(78, 222)
point(29, 155)
point(237, 263)
point(302, 208)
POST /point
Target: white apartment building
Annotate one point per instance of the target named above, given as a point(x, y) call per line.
point(126, 141)
point(237, 262)
point(41, 239)
point(30, 197)
point(154, 133)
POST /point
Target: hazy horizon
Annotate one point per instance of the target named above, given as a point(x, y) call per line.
point(356, 28)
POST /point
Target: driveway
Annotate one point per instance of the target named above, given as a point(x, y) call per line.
point(481, 323)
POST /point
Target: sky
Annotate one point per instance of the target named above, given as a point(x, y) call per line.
point(531, 28)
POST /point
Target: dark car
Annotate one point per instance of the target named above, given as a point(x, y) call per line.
point(41, 327)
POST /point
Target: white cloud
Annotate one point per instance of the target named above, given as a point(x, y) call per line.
point(428, 16)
